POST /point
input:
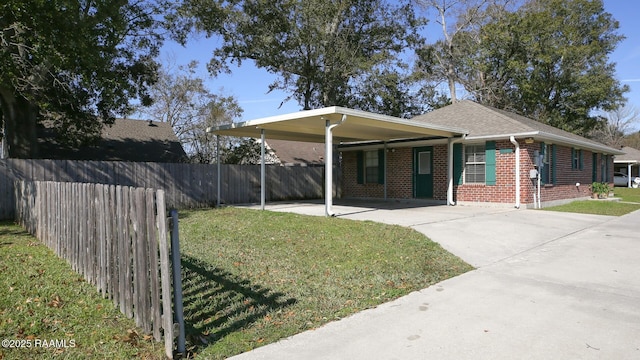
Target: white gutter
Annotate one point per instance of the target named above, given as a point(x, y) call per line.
point(219, 168)
point(328, 165)
point(517, 145)
point(263, 182)
point(558, 139)
point(450, 142)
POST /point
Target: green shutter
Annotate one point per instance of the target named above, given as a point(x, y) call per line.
point(381, 168)
point(360, 165)
point(490, 163)
point(553, 164)
point(457, 163)
point(594, 168)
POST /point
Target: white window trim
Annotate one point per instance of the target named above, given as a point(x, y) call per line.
point(365, 179)
point(464, 170)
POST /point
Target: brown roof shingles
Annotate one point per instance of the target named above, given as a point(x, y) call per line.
point(125, 140)
point(630, 155)
point(297, 152)
point(485, 122)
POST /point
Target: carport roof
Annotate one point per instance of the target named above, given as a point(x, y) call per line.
point(630, 156)
point(310, 126)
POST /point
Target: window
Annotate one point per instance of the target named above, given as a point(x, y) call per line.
point(576, 159)
point(371, 166)
point(475, 161)
point(424, 162)
point(547, 173)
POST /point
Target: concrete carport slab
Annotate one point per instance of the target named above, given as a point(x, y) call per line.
point(548, 285)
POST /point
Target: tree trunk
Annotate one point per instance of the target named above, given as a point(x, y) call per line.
point(452, 87)
point(19, 123)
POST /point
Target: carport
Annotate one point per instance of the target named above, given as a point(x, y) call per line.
point(629, 161)
point(342, 125)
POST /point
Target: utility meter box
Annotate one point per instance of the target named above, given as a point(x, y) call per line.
point(533, 174)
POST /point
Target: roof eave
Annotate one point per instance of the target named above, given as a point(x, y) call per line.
point(542, 136)
point(309, 125)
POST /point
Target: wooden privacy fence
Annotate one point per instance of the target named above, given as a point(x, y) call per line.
point(185, 185)
point(115, 236)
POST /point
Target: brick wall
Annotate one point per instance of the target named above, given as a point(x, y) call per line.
point(400, 176)
point(504, 189)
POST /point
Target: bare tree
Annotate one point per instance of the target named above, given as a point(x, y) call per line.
point(182, 99)
point(616, 126)
point(460, 21)
point(453, 17)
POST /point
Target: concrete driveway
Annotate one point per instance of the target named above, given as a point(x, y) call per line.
point(548, 285)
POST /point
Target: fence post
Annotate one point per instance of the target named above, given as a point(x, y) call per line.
point(177, 280)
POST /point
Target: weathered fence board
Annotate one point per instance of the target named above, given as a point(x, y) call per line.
point(114, 236)
point(185, 185)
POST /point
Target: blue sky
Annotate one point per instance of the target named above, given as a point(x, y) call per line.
point(249, 85)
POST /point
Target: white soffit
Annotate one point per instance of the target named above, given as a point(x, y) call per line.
point(310, 125)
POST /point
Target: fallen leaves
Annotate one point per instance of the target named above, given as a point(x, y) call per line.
point(56, 302)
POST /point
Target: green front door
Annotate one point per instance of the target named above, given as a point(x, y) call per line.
point(423, 172)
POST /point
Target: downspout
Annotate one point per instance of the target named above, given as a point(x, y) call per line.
point(451, 141)
point(517, 145)
point(328, 181)
point(262, 171)
point(219, 167)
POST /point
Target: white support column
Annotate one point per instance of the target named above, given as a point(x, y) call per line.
point(262, 170)
point(328, 166)
point(450, 142)
point(517, 170)
point(629, 175)
point(219, 168)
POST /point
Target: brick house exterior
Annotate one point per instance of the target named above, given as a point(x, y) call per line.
point(484, 163)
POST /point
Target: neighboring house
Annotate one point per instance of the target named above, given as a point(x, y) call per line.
point(296, 153)
point(484, 162)
point(125, 140)
point(629, 162)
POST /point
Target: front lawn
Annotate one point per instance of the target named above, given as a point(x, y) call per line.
point(627, 194)
point(253, 277)
point(629, 202)
point(52, 313)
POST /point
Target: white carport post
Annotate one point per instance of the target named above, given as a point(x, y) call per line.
point(629, 175)
point(219, 167)
point(450, 184)
point(262, 170)
point(328, 165)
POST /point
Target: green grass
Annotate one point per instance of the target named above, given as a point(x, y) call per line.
point(630, 201)
point(42, 298)
point(253, 277)
point(627, 195)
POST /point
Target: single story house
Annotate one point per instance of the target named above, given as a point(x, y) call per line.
point(296, 153)
point(497, 146)
point(125, 140)
point(461, 153)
